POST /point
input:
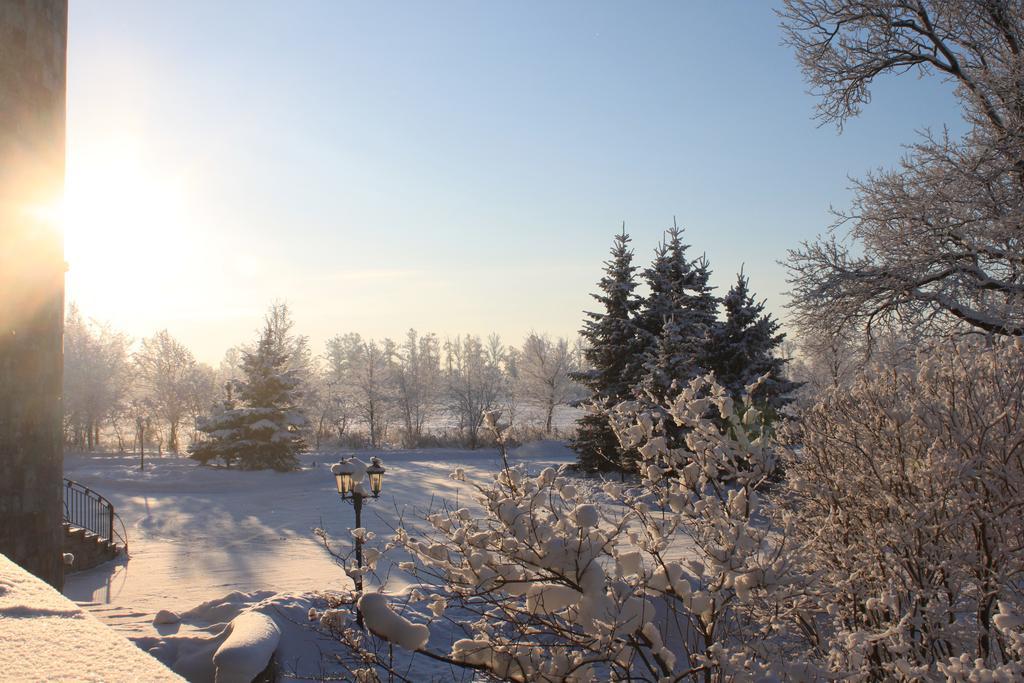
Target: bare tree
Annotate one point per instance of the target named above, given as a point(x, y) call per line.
point(544, 368)
point(318, 404)
point(361, 368)
point(230, 367)
point(936, 243)
point(96, 378)
point(202, 392)
point(473, 383)
point(165, 374)
point(506, 360)
point(416, 371)
point(341, 412)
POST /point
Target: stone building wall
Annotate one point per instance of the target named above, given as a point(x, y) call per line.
point(33, 55)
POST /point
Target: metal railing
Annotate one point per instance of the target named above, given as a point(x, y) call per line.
point(86, 509)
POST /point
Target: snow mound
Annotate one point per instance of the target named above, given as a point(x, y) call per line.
point(253, 638)
point(226, 608)
point(389, 625)
point(259, 626)
point(166, 616)
point(228, 639)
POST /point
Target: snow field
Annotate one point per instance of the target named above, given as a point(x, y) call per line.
point(225, 567)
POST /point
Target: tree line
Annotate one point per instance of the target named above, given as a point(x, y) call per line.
point(422, 390)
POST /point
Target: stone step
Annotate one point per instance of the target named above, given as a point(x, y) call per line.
point(84, 534)
point(89, 549)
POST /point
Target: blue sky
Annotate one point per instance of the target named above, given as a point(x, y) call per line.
point(453, 167)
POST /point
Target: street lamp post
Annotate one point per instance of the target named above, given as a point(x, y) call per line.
point(348, 475)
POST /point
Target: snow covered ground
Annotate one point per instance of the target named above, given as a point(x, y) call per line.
point(44, 636)
point(233, 539)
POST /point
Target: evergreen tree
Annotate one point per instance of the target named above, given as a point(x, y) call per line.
point(743, 348)
point(666, 278)
point(613, 343)
point(258, 424)
point(677, 318)
point(699, 317)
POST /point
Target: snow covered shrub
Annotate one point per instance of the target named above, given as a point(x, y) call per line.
point(907, 489)
point(674, 578)
point(708, 493)
point(893, 550)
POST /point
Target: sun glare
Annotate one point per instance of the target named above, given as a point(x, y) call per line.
point(119, 216)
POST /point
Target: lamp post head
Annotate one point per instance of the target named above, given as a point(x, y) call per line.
point(343, 477)
point(375, 473)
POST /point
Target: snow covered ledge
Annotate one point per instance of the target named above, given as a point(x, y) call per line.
point(45, 636)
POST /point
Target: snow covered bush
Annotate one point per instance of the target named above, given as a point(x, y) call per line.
point(907, 492)
point(892, 550)
point(563, 581)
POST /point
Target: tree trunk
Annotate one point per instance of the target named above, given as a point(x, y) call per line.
point(411, 437)
point(32, 79)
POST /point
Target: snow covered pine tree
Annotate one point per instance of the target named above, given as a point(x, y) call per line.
point(261, 429)
point(676, 320)
point(613, 342)
point(743, 348)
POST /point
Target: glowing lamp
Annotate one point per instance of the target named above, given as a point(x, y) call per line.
point(343, 476)
point(375, 472)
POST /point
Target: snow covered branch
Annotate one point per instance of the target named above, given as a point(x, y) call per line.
point(906, 491)
point(564, 581)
